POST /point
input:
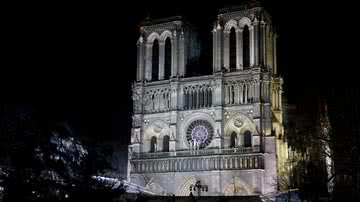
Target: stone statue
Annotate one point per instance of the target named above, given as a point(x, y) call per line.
point(130, 150)
point(137, 102)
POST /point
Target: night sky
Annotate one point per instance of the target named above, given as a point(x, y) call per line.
point(77, 62)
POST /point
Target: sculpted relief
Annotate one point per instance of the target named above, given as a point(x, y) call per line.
point(137, 101)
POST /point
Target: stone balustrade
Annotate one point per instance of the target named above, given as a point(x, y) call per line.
point(198, 163)
point(201, 152)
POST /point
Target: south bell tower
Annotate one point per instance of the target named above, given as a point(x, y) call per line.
point(224, 130)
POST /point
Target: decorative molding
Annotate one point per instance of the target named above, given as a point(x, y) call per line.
point(238, 122)
point(199, 163)
point(157, 128)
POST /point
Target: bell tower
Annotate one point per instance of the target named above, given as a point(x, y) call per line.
point(165, 47)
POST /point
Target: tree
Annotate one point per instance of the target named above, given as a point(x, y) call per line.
point(48, 161)
point(55, 166)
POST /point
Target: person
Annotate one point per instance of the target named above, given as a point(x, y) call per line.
point(192, 198)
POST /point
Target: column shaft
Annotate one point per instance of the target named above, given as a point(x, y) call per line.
point(256, 44)
point(263, 44)
point(275, 55)
point(182, 61)
point(239, 49)
point(140, 61)
point(148, 68)
point(219, 50)
point(252, 45)
point(214, 51)
point(174, 56)
point(226, 53)
point(161, 60)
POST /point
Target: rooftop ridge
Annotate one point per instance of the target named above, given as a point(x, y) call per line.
point(148, 22)
point(243, 6)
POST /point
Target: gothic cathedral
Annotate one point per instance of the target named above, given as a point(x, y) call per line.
point(217, 134)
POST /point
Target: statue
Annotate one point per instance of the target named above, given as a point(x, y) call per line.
point(137, 101)
point(130, 150)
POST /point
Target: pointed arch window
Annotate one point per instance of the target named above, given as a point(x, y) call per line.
point(166, 142)
point(246, 47)
point(232, 49)
point(167, 58)
point(233, 140)
point(153, 144)
point(247, 139)
point(155, 60)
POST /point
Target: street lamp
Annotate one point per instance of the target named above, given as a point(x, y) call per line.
point(198, 187)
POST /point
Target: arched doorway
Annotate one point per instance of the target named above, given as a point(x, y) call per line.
point(166, 141)
point(247, 138)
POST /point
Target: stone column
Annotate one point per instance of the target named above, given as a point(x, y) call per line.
point(226, 53)
point(217, 48)
point(161, 59)
point(218, 135)
point(268, 91)
point(263, 43)
point(217, 92)
point(214, 51)
point(181, 97)
point(239, 49)
point(174, 55)
point(140, 60)
point(226, 97)
point(181, 54)
point(252, 45)
point(258, 91)
point(280, 93)
point(267, 48)
point(174, 95)
point(274, 54)
point(148, 68)
point(236, 93)
point(270, 53)
point(246, 92)
point(241, 92)
point(256, 42)
point(172, 143)
point(191, 101)
point(197, 93)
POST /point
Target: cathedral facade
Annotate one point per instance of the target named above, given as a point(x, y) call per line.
point(217, 134)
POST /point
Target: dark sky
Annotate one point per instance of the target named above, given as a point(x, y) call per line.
point(77, 62)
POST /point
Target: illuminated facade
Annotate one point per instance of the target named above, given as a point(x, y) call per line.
point(223, 129)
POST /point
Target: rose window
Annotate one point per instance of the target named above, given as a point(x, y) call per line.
point(199, 134)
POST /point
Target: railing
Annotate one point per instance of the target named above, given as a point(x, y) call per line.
point(201, 152)
point(196, 163)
